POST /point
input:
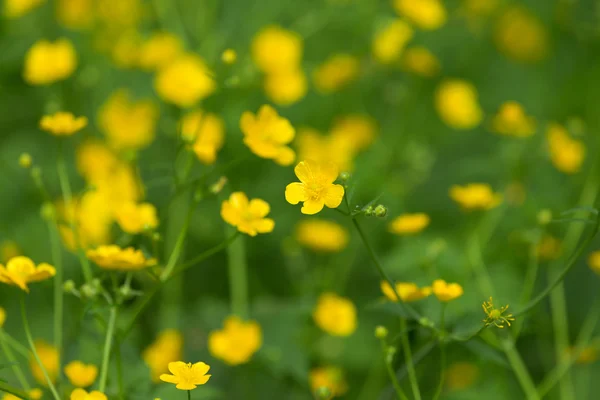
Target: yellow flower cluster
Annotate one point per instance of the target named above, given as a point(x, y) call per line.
point(475, 196)
point(407, 224)
point(426, 14)
point(567, 154)
point(511, 120)
point(237, 342)
point(167, 348)
point(206, 133)
point(248, 216)
point(335, 315)
point(329, 377)
point(48, 62)
point(187, 376)
point(336, 72)
point(20, 271)
point(321, 236)
point(520, 35)
point(81, 375)
point(389, 42)
point(457, 104)
point(113, 257)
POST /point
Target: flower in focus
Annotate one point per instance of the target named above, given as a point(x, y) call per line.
point(521, 36)
point(475, 196)
point(229, 56)
point(167, 348)
point(407, 224)
point(594, 261)
point(34, 394)
point(461, 375)
point(267, 134)
point(336, 72)
point(496, 316)
point(549, 248)
point(236, 342)
point(276, 50)
point(49, 356)
point(335, 315)
point(75, 14)
point(338, 148)
point(63, 123)
point(357, 130)
point(389, 43)
point(8, 250)
point(135, 218)
point(330, 377)
point(316, 188)
point(20, 271)
point(186, 376)
point(286, 87)
point(184, 81)
point(420, 61)
point(247, 216)
point(80, 394)
point(446, 291)
point(113, 257)
point(2, 317)
point(159, 50)
point(511, 120)
point(457, 104)
point(207, 133)
point(18, 8)
point(47, 62)
point(426, 14)
point(321, 236)
point(406, 290)
point(567, 154)
point(81, 375)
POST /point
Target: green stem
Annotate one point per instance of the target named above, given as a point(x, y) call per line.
point(34, 350)
point(16, 346)
point(412, 376)
point(238, 278)
point(189, 395)
point(474, 253)
point(440, 387)
point(58, 289)
point(520, 370)
point(388, 366)
point(119, 361)
point(6, 388)
point(112, 320)
point(11, 359)
point(177, 249)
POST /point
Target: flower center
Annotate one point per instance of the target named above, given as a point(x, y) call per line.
point(314, 191)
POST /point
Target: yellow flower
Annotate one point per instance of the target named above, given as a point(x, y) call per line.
point(316, 188)
point(95, 160)
point(286, 87)
point(81, 375)
point(426, 14)
point(236, 342)
point(496, 316)
point(358, 131)
point(587, 355)
point(322, 236)
point(420, 61)
point(446, 291)
point(457, 104)
point(63, 123)
point(549, 248)
point(475, 196)
point(34, 394)
point(186, 376)
point(567, 154)
point(75, 14)
point(461, 375)
point(8, 250)
point(335, 315)
point(20, 271)
point(125, 48)
point(247, 216)
point(511, 120)
point(520, 35)
point(167, 347)
point(229, 56)
point(80, 394)
point(49, 357)
point(159, 50)
point(480, 8)
point(276, 50)
point(47, 62)
point(184, 81)
point(389, 43)
point(135, 218)
point(90, 216)
point(407, 224)
point(267, 134)
point(594, 261)
point(330, 377)
point(115, 258)
point(207, 133)
point(337, 148)
point(18, 8)
point(127, 124)
point(2, 317)
point(406, 290)
point(336, 72)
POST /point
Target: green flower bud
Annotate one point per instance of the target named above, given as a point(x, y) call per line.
point(544, 217)
point(381, 211)
point(48, 211)
point(25, 160)
point(369, 211)
point(381, 332)
point(89, 291)
point(69, 286)
point(345, 176)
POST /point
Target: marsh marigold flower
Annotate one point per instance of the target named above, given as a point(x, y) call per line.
point(236, 342)
point(389, 43)
point(47, 62)
point(457, 104)
point(206, 132)
point(63, 123)
point(186, 376)
point(2, 316)
point(166, 348)
point(335, 315)
point(267, 135)
point(34, 394)
point(81, 375)
point(511, 120)
point(316, 188)
point(461, 375)
point(321, 236)
point(330, 377)
point(276, 50)
point(521, 36)
point(594, 261)
point(407, 224)
point(336, 72)
point(286, 87)
point(407, 291)
point(80, 394)
point(426, 14)
point(247, 216)
point(49, 357)
point(20, 271)
point(135, 218)
point(475, 196)
point(496, 316)
point(420, 61)
point(446, 291)
point(158, 50)
point(18, 8)
point(567, 154)
point(113, 257)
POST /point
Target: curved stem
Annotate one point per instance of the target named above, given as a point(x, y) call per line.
point(390, 371)
point(412, 376)
point(11, 359)
point(112, 319)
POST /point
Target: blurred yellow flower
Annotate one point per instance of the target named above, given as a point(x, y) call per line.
point(567, 154)
point(461, 375)
point(321, 236)
point(167, 347)
point(63, 123)
point(47, 62)
point(207, 133)
point(128, 124)
point(587, 355)
point(49, 356)
point(389, 42)
point(124, 50)
point(496, 316)
point(8, 250)
point(426, 14)
point(20, 271)
point(336, 72)
point(80, 394)
point(330, 377)
point(316, 188)
point(185, 81)
point(335, 315)
point(337, 148)
point(276, 50)
point(158, 50)
point(446, 291)
point(229, 56)
point(549, 248)
point(18, 8)
point(407, 224)
point(81, 375)
point(520, 35)
point(113, 257)
point(594, 261)
point(286, 87)
point(95, 161)
point(236, 342)
point(407, 291)
point(2, 317)
point(357, 130)
point(90, 216)
point(420, 61)
point(75, 14)
point(511, 120)
point(135, 218)
point(457, 104)
point(187, 376)
point(34, 394)
point(475, 196)
point(480, 8)
point(247, 216)
point(267, 134)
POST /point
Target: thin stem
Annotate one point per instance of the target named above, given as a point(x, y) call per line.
point(174, 257)
point(189, 395)
point(520, 370)
point(11, 359)
point(238, 278)
point(119, 361)
point(6, 388)
point(388, 366)
point(16, 346)
point(58, 289)
point(112, 319)
point(412, 376)
point(482, 275)
point(440, 387)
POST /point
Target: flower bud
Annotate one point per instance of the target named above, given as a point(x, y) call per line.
point(426, 322)
point(218, 186)
point(381, 211)
point(381, 332)
point(156, 237)
point(544, 217)
point(229, 56)
point(88, 291)
point(69, 286)
point(25, 160)
point(390, 352)
point(369, 211)
point(345, 177)
point(48, 212)
point(126, 292)
point(323, 393)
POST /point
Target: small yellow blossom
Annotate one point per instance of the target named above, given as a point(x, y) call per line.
point(2, 317)
point(20, 271)
point(549, 248)
point(168, 347)
point(47, 62)
point(335, 315)
point(113, 257)
point(186, 376)
point(18, 8)
point(75, 14)
point(135, 218)
point(567, 154)
point(81, 375)
point(286, 87)
point(63, 123)
point(336, 72)
point(8, 250)
point(511, 120)
point(446, 291)
point(321, 236)
point(461, 375)
point(389, 43)
point(159, 50)
point(457, 104)
point(594, 261)
point(207, 133)
point(330, 377)
point(337, 148)
point(420, 61)
point(316, 188)
point(521, 36)
point(34, 394)
point(357, 130)
point(236, 342)
point(229, 56)
point(406, 290)
point(407, 224)
point(496, 316)
point(426, 14)
point(267, 135)
point(49, 357)
point(247, 216)
point(185, 81)
point(475, 196)
point(276, 50)
point(80, 394)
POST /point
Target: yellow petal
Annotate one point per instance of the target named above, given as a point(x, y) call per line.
point(306, 171)
point(200, 369)
point(295, 193)
point(238, 200)
point(284, 131)
point(78, 394)
point(247, 123)
point(334, 196)
point(169, 378)
point(329, 172)
point(285, 156)
point(264, 225)
point(258, 208)
point(311, 207)
point(43, 271)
